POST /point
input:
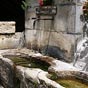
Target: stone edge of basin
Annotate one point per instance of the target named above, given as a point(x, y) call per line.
point(36, 75)
point(56, 66)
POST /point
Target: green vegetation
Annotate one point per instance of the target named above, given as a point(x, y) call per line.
point(25, 4)
point(29, 62)
point(17, 83)
point(72, 83)
point(53, 76)
point(69, 82)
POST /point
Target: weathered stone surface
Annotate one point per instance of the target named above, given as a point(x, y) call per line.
point(34, 75)
point(7, 27)
point(6, 74)
point(55, 52)
point(61, 66)
point(12, 41)
point(1, 86)
point(64, 28)
point(39, 39)
point(43, 77)
point(37, 77)
point(81, 55)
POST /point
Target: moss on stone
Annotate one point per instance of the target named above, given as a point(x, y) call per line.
point(29, 62)
point(72, 83)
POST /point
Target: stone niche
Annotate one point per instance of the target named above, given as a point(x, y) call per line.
point(7, 27)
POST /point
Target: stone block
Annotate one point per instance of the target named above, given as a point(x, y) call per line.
point(11, 41)
point(7, 27)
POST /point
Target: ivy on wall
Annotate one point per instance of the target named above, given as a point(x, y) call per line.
point(25, 4)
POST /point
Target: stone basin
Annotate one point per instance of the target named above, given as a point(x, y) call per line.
point(26, 74)
point(71, 79)
point(38, 77)
point(28, 62)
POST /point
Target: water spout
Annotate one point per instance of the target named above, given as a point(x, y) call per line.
point(34, 23)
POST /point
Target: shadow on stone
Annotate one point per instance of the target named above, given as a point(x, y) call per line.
point(55, 52)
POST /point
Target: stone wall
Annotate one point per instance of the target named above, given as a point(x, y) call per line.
point(8, 38)
point(63, 28)
point(60, 32)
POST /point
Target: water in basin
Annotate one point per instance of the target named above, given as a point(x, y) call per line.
point(72, 83)
point(29, 62)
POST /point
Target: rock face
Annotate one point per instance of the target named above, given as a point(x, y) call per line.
point(6, 74)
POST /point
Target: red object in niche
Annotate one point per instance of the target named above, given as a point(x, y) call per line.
point(41, 2)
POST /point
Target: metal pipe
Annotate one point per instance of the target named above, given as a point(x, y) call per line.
point(43, 18)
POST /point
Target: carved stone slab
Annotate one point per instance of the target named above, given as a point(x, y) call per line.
point(7, 27)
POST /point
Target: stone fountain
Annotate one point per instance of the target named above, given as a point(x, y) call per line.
point(16, 76)
point(19, 72)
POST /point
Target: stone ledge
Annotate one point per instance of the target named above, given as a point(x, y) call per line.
point(7, 27)
point(11, 41)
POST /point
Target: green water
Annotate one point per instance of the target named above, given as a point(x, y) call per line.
point(29, 62)
point(69, 82)
point(72, 83)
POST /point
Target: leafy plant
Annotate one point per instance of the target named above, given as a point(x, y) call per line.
point(53, 76)
point(25, 4)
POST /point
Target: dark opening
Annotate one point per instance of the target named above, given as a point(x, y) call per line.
point(10, 10)
point(48, 2)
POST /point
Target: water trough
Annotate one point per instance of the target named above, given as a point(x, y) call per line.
point(39, 75)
